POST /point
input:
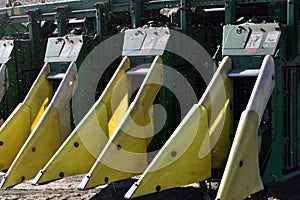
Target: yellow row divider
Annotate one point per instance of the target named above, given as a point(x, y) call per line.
point(17, 127)
point(45, 137)
point(125, 154)
point(80, 150)
point(241, 176)
point(194, 148)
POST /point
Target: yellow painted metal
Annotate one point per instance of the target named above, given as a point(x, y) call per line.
point(125, 154)
point(219, 135)
point(40, 113)
point(198, 139)
point(46, 136)
point(16, 129)
point(41, 89)
point(241, 176)
point(217, 99)
point(118, 114)
point(243, 157)
point(12, 143)
point(178, 162)
point(36, 151)
point(83, 146)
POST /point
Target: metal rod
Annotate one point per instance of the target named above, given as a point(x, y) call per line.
point(230, 11)
point(61, 18)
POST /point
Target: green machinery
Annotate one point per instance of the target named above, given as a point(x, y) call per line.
point(20, 63)
point(241, 122)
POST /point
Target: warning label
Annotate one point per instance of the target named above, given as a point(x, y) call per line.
point(271, 39)
point(254, 42)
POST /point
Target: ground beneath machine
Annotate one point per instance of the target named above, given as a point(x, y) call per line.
point(66, 189)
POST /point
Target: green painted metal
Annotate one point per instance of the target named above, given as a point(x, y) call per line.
point(183, 15)
point(79, 8)
point(99, 17)
point(2, 18)
point(230, 11)
point(291, 23)
point(25, 60)
point(23, 68)
point(61, 20)
point(274, 139)
point(136, 13)
point(34, 25)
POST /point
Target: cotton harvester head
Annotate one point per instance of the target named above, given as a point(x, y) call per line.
point(126, 89)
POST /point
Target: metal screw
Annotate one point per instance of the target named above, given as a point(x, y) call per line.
point(76, 144)
point(119, 147)
point(241, 163)
point(106, 179)
point(158, 188)
point(61, 174)
point(173, 153)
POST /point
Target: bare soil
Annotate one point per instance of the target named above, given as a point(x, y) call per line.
point(66, 189)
